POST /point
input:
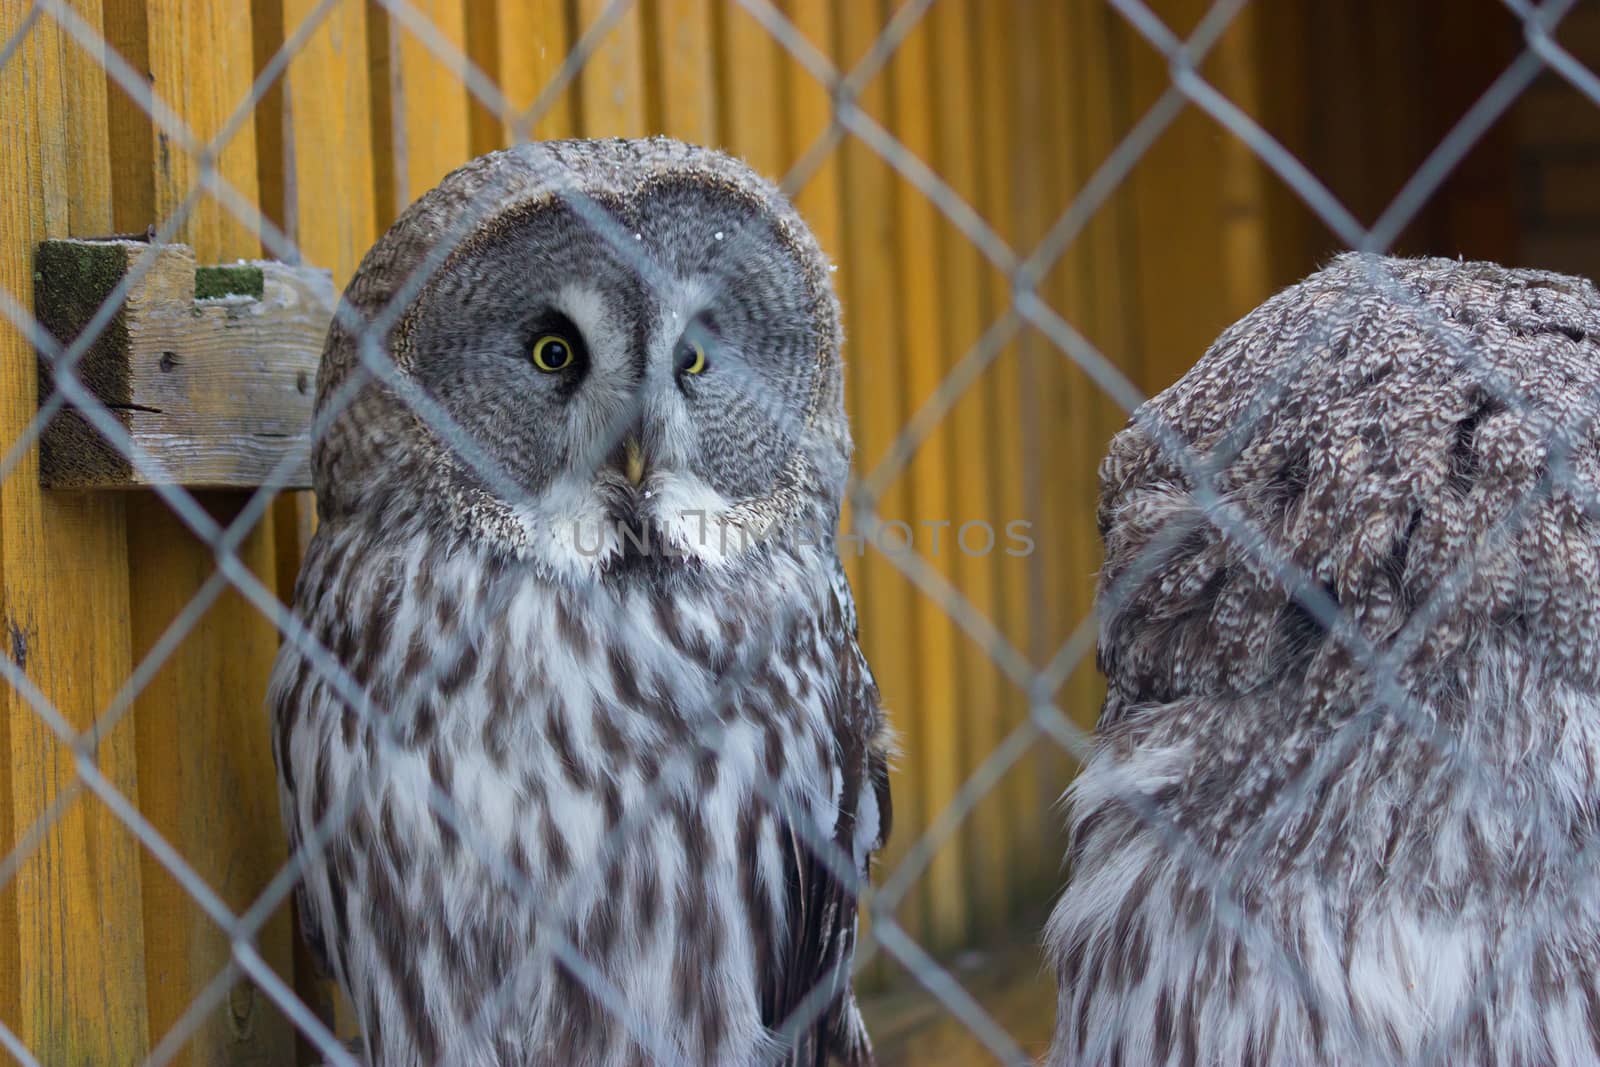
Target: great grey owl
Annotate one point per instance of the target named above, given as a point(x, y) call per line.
point(623, 767)
point(1342, 806)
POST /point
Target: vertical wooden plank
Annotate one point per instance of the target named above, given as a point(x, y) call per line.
point(820, 199)
point(134, 148)
point(1069, 400)
point(924, 357)
point(72, 984)
point(421, 121)
point(1473, 213)
point(1086, 290)
point(1109, 315)
point(1052, 401)
point(751, 65)
point(199, 721)
point(385, 96)
point(1280, 63)
point(520, 44)
point(316, 140)
point(981, 721)
point(821, 203)
point(868, 283)
point(1102, 119)
point(1030, 157)
point(1178, 191)
point(324, 167)
point(1091, 289)
point(1243, 242)
point(200, 738)
point(1174, 192)
point(434, 115)
point(201, 61)
point(611, 85)
point(681, 63)
point(1004, 150)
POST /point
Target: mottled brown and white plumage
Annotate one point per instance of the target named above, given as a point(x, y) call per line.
point(623, 764)
point(1276, 857)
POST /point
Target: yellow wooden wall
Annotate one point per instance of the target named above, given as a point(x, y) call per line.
point(1014, 103)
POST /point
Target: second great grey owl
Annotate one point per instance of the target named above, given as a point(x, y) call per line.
point(1344, 806)
point(604, 767)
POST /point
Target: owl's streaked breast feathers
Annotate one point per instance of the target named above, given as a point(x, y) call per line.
point(596, 810)
point(1284, 852)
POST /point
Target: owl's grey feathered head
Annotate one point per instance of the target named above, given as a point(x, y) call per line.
point(637, 332)
point(1399, 430)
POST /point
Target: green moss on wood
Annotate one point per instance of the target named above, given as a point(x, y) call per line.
point(73, 278)
point(234, 280)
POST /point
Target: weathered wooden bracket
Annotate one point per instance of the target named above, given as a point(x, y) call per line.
point(212, 370)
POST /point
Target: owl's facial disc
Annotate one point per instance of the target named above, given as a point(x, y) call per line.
point(663, 386)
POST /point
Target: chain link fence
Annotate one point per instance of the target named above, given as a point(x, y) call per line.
point(1047, 723)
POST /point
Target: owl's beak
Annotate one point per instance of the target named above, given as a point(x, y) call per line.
point(632, 459)
point(627, 456)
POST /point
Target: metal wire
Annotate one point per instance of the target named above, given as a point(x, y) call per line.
point(1026, 309)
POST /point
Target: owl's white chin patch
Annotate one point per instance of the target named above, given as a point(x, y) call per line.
point(693, 519)
point(572, 531)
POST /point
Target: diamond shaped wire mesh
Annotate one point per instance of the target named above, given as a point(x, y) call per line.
point(1023, 268)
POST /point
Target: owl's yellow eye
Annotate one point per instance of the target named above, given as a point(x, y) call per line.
point(691, 357)
point(552, 352)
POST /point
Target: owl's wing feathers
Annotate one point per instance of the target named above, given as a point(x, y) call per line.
point(821, 932)
point(821, 940)
point(310, 926)
point(282, 702)
point(309, 915)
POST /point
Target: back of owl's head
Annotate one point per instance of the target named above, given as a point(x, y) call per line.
point(1416, 439)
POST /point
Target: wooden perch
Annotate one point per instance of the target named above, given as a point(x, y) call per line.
point(212, 370)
